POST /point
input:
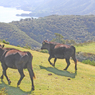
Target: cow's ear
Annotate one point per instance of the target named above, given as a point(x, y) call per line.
point(3, 46)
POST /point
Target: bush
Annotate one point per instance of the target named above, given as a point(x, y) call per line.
point(27, 46)
point(89, 62)
point(44, 51)
point(18, 45)
point(5, 42)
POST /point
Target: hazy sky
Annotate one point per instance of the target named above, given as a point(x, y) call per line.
point(9, 14)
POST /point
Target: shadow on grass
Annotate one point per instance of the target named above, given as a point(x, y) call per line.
point(13, 90)
point(60, 72)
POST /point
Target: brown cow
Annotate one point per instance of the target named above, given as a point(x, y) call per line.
point(16, 59)
point(61, 51)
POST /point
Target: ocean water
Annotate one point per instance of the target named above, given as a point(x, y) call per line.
point(9, 14)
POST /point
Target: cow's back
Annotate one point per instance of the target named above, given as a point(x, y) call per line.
point(14, 58)
point(63, 51)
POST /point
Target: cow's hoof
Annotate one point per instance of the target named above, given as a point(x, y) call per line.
point(18, 86)
point(1, 77)
point(9, 82)
point(53, 65)
point(32, 89)
point(65, 69)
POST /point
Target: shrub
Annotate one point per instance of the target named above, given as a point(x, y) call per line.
point(27, 46)
point(89, 62)
point(18, 45)
point(5, 42)
point(44, 51)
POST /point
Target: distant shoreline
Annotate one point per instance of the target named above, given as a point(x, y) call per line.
point(8, 14)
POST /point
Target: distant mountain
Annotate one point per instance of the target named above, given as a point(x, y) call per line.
point(40, 8)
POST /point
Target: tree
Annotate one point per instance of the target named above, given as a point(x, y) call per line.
point(59, 38)
point(70, 42)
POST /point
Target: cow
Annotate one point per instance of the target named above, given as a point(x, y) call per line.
point(16, 59)
point(61, 51)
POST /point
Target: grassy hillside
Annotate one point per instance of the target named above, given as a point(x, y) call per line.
point(87, 48)
point(33, 31)
point(78, 28)
point(15, 36)
point(51, 81)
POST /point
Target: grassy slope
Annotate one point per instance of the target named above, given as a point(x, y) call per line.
point(89, 48)
point(80, 83)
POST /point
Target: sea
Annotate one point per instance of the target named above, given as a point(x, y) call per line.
point(10, 14)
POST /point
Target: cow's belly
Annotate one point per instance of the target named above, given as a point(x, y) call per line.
point(11, 65)
point(59, 56)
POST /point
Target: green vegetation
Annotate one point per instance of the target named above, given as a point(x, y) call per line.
point(87, 52)
point(10, 33)
point(50, 80)
point(58, 39)
point(3, 91)
point(27, 46)
point(88, 47)
point(44, 51)
point(78, 28)
point(33, 31)
point(89, 62)
point(5, 42)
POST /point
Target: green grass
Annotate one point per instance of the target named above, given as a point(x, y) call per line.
point(89, 48)
point(49, 80)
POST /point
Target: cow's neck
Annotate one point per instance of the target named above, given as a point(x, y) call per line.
point(51, 48)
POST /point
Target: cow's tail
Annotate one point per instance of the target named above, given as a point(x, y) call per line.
point(34, 75)
point(33, 71)
point(31, 64)
point(74, 56)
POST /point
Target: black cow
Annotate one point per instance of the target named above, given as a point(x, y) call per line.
point(16, 59)
point(61, 51)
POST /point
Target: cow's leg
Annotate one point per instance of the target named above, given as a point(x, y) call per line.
point(54, 61)
point(68, 63)
point(2, 76)
point(75, 60)
point(20, 70)
point(4, 73)
point(31, 73)
point(49, 60)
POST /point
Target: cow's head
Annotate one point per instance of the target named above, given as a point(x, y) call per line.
point(45, 45)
